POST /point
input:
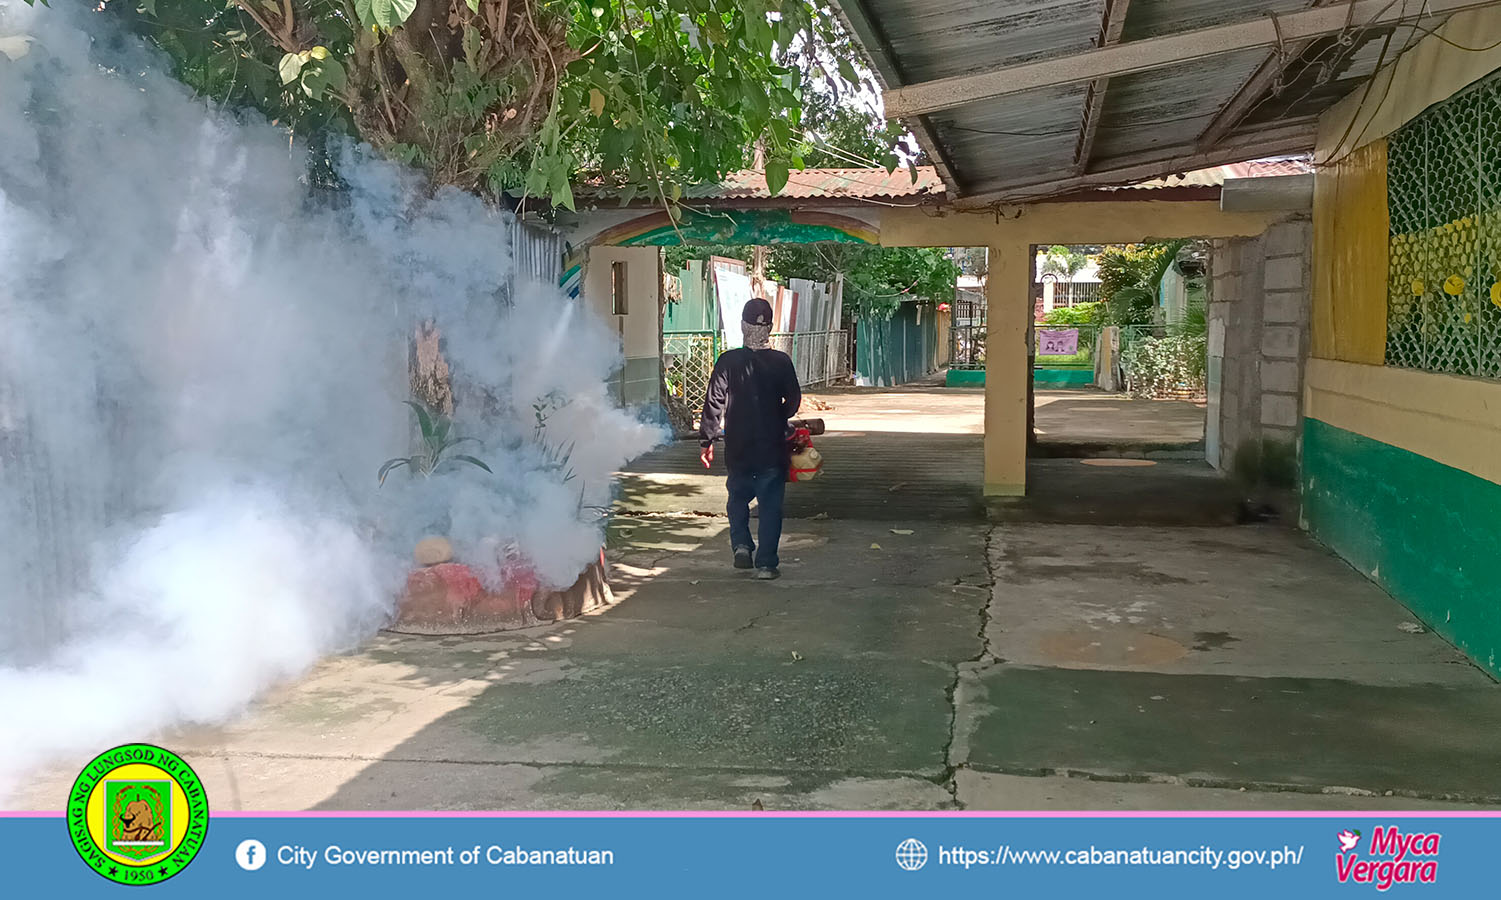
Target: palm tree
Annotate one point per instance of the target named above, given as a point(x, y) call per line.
point(1131, 278)
point(1064, 262)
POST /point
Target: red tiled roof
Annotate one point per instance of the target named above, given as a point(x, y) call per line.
point(878, 184)
point(849, 184)
point(1217, 176)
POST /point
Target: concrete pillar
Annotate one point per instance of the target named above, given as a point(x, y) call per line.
point(1008, 304)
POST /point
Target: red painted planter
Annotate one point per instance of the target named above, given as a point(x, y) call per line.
point(449, 599)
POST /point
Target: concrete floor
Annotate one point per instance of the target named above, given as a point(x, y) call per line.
point(1094, 420)
point(1028, 664)
point(1063, 417)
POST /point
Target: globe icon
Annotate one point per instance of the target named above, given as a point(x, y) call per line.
point(911, 854)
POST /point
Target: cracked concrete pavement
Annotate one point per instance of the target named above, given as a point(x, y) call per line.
point(961, 666)
point(1042, 662)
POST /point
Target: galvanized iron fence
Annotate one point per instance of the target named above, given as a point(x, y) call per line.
point(1444, 197)
point(820, 357)
point(688, 357)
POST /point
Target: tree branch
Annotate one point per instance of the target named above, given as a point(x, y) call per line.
point(285, 42)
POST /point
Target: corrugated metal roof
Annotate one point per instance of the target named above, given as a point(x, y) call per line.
point(1152, 18)
point(939, 38)
point(1026, 145)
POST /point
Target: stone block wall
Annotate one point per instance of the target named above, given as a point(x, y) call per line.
point(1259, 293)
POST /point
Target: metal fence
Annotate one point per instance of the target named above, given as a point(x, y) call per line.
point(1073, 293)
point(536, 253)
point(687, 362)
point(1051, 343)
point(820, 357)
point(1444, 193)
point(967, 346)
point(967, 331)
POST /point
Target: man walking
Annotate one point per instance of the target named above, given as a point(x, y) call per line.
point(752, 394)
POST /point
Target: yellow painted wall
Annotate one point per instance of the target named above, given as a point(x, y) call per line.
point(1454, 421)
point(1351, 243)
point(1010, 236)
point(1008, 367)
point(1451, 419)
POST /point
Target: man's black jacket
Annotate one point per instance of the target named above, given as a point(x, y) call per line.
point(752, 394)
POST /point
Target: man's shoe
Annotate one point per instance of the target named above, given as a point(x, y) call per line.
point(768, 574)
point(742, 558)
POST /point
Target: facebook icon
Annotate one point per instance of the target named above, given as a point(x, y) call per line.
point(251, 855)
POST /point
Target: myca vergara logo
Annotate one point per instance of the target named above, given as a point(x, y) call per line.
point(137, 814)
point(1391, 857)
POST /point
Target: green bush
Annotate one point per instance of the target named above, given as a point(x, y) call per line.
point(1078, 314)
point(1156, 367)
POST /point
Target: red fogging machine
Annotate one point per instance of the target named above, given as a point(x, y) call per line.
point(805, 462)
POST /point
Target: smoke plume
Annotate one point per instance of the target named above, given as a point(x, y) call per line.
point(202, 366)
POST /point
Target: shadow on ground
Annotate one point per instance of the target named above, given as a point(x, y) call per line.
point(1101, 492)
point(1112, 627)
point(880, 476)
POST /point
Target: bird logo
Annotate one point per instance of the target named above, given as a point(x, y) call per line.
point(1347, 840)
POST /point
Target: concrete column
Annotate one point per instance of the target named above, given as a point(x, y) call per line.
point(1008, 303)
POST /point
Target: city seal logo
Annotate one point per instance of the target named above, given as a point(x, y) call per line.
point(137, 814)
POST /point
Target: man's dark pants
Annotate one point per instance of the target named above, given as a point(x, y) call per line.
point(768, 487)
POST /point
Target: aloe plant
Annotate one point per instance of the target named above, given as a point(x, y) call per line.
point(437, 441)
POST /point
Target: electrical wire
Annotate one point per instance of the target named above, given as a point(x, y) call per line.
point(1455, 44)
point(1349, 37)
point(1334, 158)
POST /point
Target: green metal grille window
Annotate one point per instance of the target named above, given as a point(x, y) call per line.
point(1444, 195)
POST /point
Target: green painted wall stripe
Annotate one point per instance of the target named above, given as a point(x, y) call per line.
point(1072, 377)
point(1428, 533)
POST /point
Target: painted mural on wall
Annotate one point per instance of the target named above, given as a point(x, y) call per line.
point(743, 227)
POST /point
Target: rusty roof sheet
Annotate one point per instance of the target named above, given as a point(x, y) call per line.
point(828, 184)
point(1218, 175)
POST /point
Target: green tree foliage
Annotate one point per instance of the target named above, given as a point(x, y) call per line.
point(851, 136)
point(1131, 278)
point(876, 279)
point(1064, 262)
point(675, 258)
point(522, 96)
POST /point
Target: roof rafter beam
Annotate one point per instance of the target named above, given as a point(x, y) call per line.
point(1158, 52)
point(869, 36)
point(1112, 24)
point(1250, 93)
point(1294, 137)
